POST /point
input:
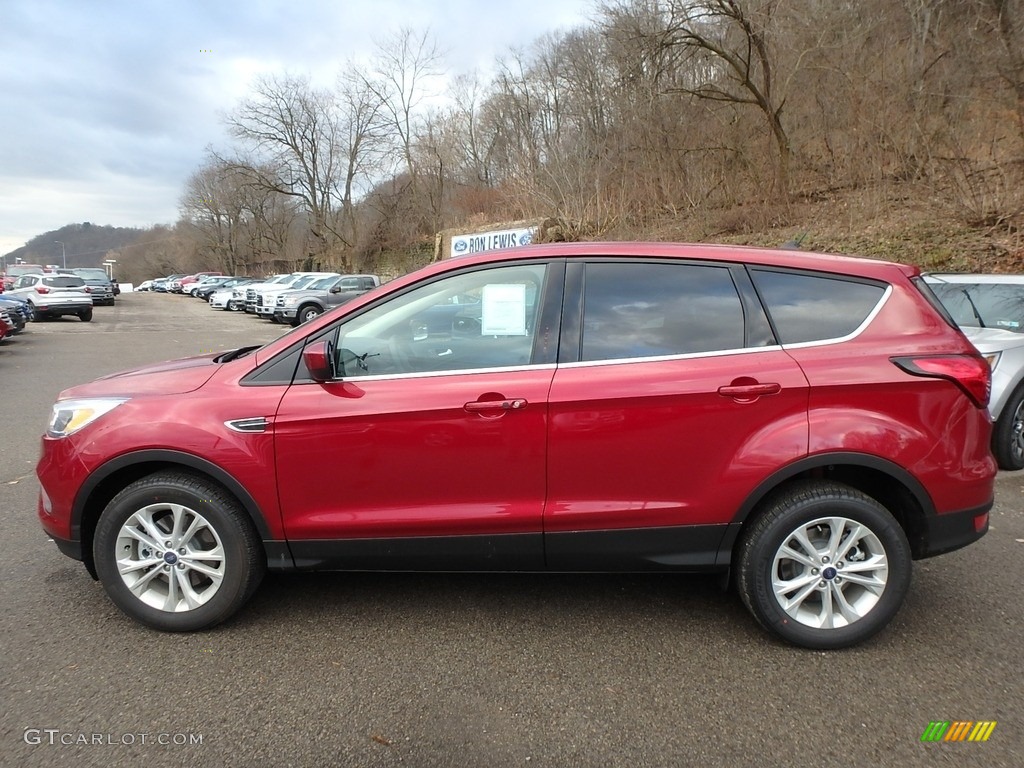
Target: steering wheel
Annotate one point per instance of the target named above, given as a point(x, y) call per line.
point(466, 326)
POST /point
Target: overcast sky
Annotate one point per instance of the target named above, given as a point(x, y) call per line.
point(108, 105)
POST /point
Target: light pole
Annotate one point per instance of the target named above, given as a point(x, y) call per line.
point(63, 254)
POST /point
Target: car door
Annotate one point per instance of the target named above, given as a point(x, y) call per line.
point(428, 449)
point(671, 402)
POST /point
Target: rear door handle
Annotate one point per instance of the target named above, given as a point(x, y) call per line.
point(749, 391)
point(493, 406)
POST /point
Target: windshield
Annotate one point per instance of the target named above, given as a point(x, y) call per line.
point(983, 305)
point(324, 283)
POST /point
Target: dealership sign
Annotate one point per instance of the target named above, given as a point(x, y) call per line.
point(463, 245)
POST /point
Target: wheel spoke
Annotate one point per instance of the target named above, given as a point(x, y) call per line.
point(847, 611)
point(784, 587)
point(143, 583)
point(144, 538)
point(873, 584)
point(215, 574)
point(801, 536)
point(178, 515)
point(146, 521)
point(195, 525)
point(827, 616)
point(836, 527)
point(857, 532)
point(171, 603)
point(788, 552)
point(873, 563)
point(128, 565)
point(192, 598)
point(792, 606)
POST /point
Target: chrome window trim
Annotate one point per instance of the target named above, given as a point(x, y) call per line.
point(666, 358)
point(435, 374)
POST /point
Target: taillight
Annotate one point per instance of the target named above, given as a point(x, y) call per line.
point(42, 289)
point(969, 372)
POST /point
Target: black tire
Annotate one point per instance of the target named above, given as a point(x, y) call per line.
point(221, 523)
point(85, 315)
point(307, 312)
point(809, 506)
point(1008, 435)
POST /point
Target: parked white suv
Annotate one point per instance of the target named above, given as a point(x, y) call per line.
point(55, 295)
point(990, 310)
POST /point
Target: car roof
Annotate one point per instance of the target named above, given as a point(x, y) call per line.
point(794, 259)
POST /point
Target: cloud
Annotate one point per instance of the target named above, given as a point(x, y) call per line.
point(110, 105)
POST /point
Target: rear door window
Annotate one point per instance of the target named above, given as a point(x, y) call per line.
point(654, 310)
point(806, 308)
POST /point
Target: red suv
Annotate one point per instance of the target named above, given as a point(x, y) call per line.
point(808, 424)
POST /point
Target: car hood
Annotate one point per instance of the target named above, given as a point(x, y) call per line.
point(993, 339)
point(297, 293)
point(173, 377)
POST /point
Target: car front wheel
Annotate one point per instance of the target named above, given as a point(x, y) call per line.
point(1008, 436)
point(823, 565)
point(175, 552)
point(307, 313)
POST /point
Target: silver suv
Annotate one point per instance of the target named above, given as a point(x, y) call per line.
point(990, 310)
point(55, 295)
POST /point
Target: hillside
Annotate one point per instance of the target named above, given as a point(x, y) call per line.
point(897, 222)
point(85, 245)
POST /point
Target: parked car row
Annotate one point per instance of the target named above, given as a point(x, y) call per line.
point(32, 293)
point(293, 298)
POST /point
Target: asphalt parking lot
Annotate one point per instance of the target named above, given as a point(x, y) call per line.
point(493, 670)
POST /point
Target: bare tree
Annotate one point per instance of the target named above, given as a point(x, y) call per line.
point(361, 138)
point(730, 57)
point(404, 67)
point(291, 129)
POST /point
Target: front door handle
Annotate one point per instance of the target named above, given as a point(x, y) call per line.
point(493, 406)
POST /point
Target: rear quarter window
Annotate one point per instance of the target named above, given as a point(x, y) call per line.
point(806, 308)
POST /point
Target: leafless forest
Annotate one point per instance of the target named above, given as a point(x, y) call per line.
point(884, 127)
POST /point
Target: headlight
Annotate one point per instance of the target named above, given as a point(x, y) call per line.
point(69, 416)
point(290, 301)
point(992, 358)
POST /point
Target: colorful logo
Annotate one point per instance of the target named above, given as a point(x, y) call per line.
point(958, 730)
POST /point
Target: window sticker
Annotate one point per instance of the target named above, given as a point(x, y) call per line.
point(504, 309)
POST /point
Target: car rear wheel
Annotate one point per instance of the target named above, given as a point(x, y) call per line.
point(1008, 436)
point(177, 553)
point(85, 315)
point(823, 565)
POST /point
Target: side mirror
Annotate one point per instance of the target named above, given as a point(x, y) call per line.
point(317, 358)
point(335, 289)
